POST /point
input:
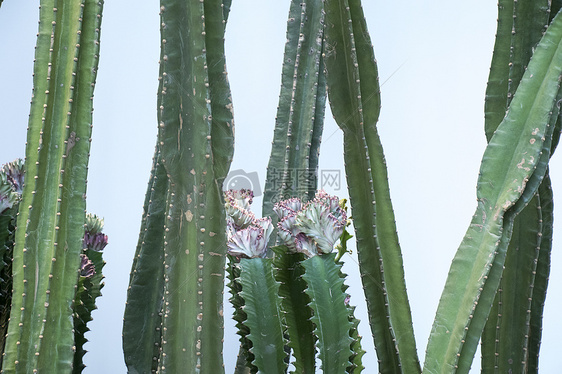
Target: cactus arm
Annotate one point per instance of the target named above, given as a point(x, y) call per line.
point(330, 317)
point(194, 242)
point(541, 277)
point(355, 101)
point(222, 125)
point(510, 330)
point(226, 4)
point(356, 349)
point(264, 316)
point(51, 229)
point(296, 312)
point(520, 27)
point(502, 185)
point(143, 312)
point(300, 114)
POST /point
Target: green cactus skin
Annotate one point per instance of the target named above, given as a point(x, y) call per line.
point(300, 114)
point(505, 186)
point(542, 270)
point(88, 290)
point(7, 227)
point(245, 356)
point(50, 228)
point(195, 144)
point(355, 100)
point(264, 320)
point(143, 318)
point(505, 340)
point(297, 314)
point(325, 287)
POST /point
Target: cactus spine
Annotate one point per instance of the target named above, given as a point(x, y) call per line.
point(183, 226)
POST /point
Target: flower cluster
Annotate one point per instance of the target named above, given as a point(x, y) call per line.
point(11, 184)
point(247, 235)
point(312, 228)
point(94, 240)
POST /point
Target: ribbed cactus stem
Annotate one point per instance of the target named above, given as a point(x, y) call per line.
point(50, 224)
point(291, 171)
point(183, 236)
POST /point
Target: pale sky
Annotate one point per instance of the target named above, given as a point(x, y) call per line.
point(433, 60)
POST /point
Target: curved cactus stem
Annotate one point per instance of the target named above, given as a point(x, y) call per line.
point(195, 140)
point(506, 184)
point(297, 314)
point(355, 100)
point(325, 287)
point(520, 27)
point(143, 312)
point(50, 229)
point(505, 337)
point(291, 171)
point(542, 270)
point(264, 320)
point(7, 227)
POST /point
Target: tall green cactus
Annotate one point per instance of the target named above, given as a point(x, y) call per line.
point(506, 339)
point(292, 168)
point(355, 101)
point(50, 225)
point(183, 232)
point(512, 169)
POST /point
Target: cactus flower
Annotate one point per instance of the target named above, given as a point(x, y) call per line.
point(95, 242)
point(313, 228)
point(7, 196)
point(87, 268)
point(15, 173)
point(250, 242)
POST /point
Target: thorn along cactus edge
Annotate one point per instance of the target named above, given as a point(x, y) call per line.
point(284, 270)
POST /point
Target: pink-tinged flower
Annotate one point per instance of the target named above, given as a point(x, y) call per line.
point(288, 207)
point(242, 198)
point(250, 242)
point(95, 242)
point(332, 202)
point(15, 173)
point(87, 268)
point(317, 222)
point(7, 196)
point(237, 206)
point(241, 217)
point(94, 224)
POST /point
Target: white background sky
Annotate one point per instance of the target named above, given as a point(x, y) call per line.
point(433, 58)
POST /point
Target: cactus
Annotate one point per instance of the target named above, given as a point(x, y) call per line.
point(301, 293)
point(506, 336)
point(50, 229)
point(355, 101)
point(90, 283)
point(505, 186)
point(292, 168)
point(183, 230)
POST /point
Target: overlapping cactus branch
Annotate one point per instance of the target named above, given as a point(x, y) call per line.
point(506, 337)
point(353, 91)
point(50, 230)
point(513, 167)
point(183, 237)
